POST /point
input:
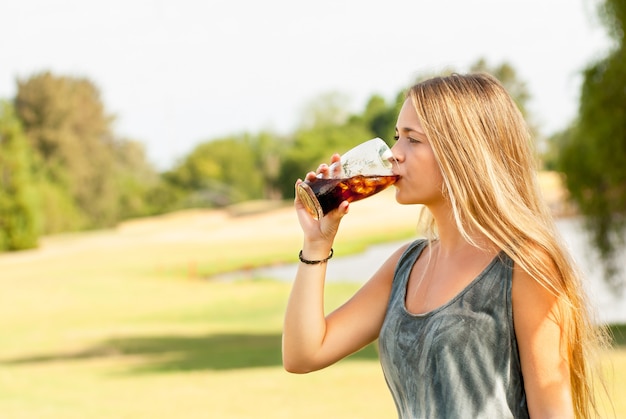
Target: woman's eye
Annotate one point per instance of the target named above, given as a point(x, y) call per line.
point(410, 139)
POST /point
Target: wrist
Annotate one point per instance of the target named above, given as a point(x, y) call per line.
point(317, 261)
point(315, 250)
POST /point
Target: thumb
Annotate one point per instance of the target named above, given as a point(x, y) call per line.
point(343, 208)
point(338, 213)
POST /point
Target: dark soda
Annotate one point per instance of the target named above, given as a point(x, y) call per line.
point(330, 193)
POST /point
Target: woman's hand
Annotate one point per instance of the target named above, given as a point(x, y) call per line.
point(320, 233)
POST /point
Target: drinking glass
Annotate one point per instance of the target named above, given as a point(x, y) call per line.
point(362, 171)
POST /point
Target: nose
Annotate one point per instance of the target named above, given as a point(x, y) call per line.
point(396, 154)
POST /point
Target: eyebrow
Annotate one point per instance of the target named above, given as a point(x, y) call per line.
point(408, 129)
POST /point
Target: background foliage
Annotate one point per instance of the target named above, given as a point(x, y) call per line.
point(18, 219)
point(69, 170)
point(83, 175)
point(592, 152)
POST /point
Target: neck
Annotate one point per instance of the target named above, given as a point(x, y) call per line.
point(452, 241)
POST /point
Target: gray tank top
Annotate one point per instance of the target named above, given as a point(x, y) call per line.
point(459, 360)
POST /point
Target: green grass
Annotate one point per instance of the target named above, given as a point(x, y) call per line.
point(176, 349)
point(117, 328)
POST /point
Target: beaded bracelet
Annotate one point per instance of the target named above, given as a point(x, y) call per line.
point(314, 262)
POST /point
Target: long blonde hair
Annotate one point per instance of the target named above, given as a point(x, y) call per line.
point(485, 154)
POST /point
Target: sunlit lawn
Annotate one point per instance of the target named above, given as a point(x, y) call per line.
point(116, 331)
point(164, 349)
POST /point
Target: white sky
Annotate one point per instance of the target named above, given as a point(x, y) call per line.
point(180, 72)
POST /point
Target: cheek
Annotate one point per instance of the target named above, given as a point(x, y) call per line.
point(435, 173)
point(436, 170)
point(428, 167)
point(428, 177)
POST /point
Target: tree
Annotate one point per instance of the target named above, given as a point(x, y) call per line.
point(66, 124)
point(87, 177)
point(218, 173)
point(18, 218)
point(593, 151)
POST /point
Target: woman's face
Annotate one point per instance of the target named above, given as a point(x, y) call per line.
point(420, 177)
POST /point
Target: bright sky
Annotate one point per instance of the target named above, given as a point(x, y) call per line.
point(180, 72)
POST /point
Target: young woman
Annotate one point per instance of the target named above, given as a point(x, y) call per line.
point(486, 317)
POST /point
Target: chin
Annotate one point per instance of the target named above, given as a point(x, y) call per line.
point(400, 199)
point(403, 199)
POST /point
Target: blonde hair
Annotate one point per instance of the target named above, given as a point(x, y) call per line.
point(483, 147)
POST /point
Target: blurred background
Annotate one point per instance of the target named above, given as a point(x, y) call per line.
point(148, 147)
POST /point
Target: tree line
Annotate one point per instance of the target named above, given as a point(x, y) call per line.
point(591, 152)
point(63, 168)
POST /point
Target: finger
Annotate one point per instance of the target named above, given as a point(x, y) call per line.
point(336, 165)
point(323, 170)
point(338, 213)
point(343, 208)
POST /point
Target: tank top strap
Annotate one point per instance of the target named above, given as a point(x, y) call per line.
point(407, 260)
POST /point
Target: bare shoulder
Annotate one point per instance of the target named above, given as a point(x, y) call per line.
point(531, 296)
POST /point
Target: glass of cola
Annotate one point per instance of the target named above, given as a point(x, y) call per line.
point(362, 171)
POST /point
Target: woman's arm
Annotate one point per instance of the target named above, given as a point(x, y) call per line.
point(543, 351)
point(311, 340)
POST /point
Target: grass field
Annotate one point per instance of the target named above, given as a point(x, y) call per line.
point(125, 324)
